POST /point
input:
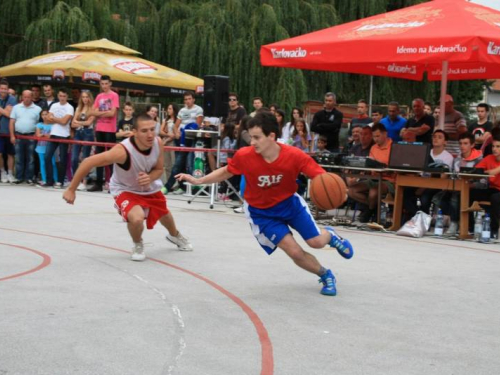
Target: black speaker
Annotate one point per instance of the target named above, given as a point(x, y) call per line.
point(216, 96)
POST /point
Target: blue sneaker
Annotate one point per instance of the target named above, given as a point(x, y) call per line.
point(328, 281)
point(342, 245)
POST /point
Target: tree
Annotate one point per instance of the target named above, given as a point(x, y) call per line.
point(223, 37)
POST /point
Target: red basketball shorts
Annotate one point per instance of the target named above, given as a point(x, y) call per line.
point(154, 205)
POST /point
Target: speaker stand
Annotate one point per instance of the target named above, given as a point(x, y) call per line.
point(213, 188)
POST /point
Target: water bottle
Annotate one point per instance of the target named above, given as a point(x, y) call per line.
point(419, 205)
point(485, 234)
point(478, 227)
point(383, 214)
point(438, 228)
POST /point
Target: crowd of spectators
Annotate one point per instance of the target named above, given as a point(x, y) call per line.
point(55, 117)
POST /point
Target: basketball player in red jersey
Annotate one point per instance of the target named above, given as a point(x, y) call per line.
point(272, 205)
point(136, 184)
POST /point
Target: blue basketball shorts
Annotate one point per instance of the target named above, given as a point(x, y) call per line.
point(270, 225)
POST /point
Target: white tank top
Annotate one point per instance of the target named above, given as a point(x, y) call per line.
point(126, 180)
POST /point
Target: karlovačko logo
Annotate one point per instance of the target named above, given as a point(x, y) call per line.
point(400, 25)
point(403, 69)
point(54, 59)
point(91, 76)
point(297, 53)
point(133, 66)
point(493, 49)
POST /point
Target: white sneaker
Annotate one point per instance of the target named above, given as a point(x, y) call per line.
point(4, 179)
point(57, 185)
point(178, 191)
point(239, 210)
point(81, 187)
point(11, 178)
point(138, 253)
point(452, 229)
point(182, 242)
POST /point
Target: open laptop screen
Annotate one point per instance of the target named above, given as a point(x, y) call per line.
point(414, 156)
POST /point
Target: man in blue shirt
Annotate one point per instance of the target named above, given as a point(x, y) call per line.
point(393, 122)
point(23, 119)
point(7, 102)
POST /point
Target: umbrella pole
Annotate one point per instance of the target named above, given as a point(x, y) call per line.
point(370, 99)
point(444, 84)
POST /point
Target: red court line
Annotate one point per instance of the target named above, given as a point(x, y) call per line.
point(265, 342)
point(46, 261)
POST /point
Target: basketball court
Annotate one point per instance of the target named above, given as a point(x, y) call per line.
point(71, 301)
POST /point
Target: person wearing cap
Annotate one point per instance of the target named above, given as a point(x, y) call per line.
point(454, 125)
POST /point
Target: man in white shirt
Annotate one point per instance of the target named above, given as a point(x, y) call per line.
point(439, 156)
point(60, 115)
point(191, 113)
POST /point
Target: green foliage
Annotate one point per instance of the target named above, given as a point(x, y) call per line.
point(221, 37)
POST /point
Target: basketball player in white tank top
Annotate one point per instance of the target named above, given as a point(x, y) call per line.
point(135, 184)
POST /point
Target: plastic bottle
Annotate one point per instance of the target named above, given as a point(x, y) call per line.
point(383, 214)
point(478, 227)
point(419, 205)
point(199, 162)
point(486, 233)
point(438, 228)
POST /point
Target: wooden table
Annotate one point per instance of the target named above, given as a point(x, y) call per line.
point(460, 183)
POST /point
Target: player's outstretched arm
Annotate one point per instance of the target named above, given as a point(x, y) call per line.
point(116, 155)
point(218, 175)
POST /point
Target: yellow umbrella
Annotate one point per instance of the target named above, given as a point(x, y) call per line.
point(102, 57)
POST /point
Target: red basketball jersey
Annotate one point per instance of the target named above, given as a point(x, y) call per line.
point(267, 184)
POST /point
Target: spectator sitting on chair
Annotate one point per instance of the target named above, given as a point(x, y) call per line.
point(365, 142)
point(322, 146)
point(355, 139)
point(362, 149)
point(491, 165)
point(468, 158)
point(366, 191)
point(438, 156)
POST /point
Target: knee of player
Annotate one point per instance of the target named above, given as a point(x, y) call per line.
point(316, 242)
point(135, 219)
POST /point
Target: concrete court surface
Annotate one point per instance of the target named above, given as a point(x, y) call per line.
point(71, 302)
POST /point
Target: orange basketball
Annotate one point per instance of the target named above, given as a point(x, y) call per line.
point(328, 191)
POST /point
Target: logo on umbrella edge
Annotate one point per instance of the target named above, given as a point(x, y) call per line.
point(283, 53)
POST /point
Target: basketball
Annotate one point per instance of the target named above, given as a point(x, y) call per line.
point(328, 191)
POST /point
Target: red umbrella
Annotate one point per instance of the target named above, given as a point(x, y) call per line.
point(455, 36)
